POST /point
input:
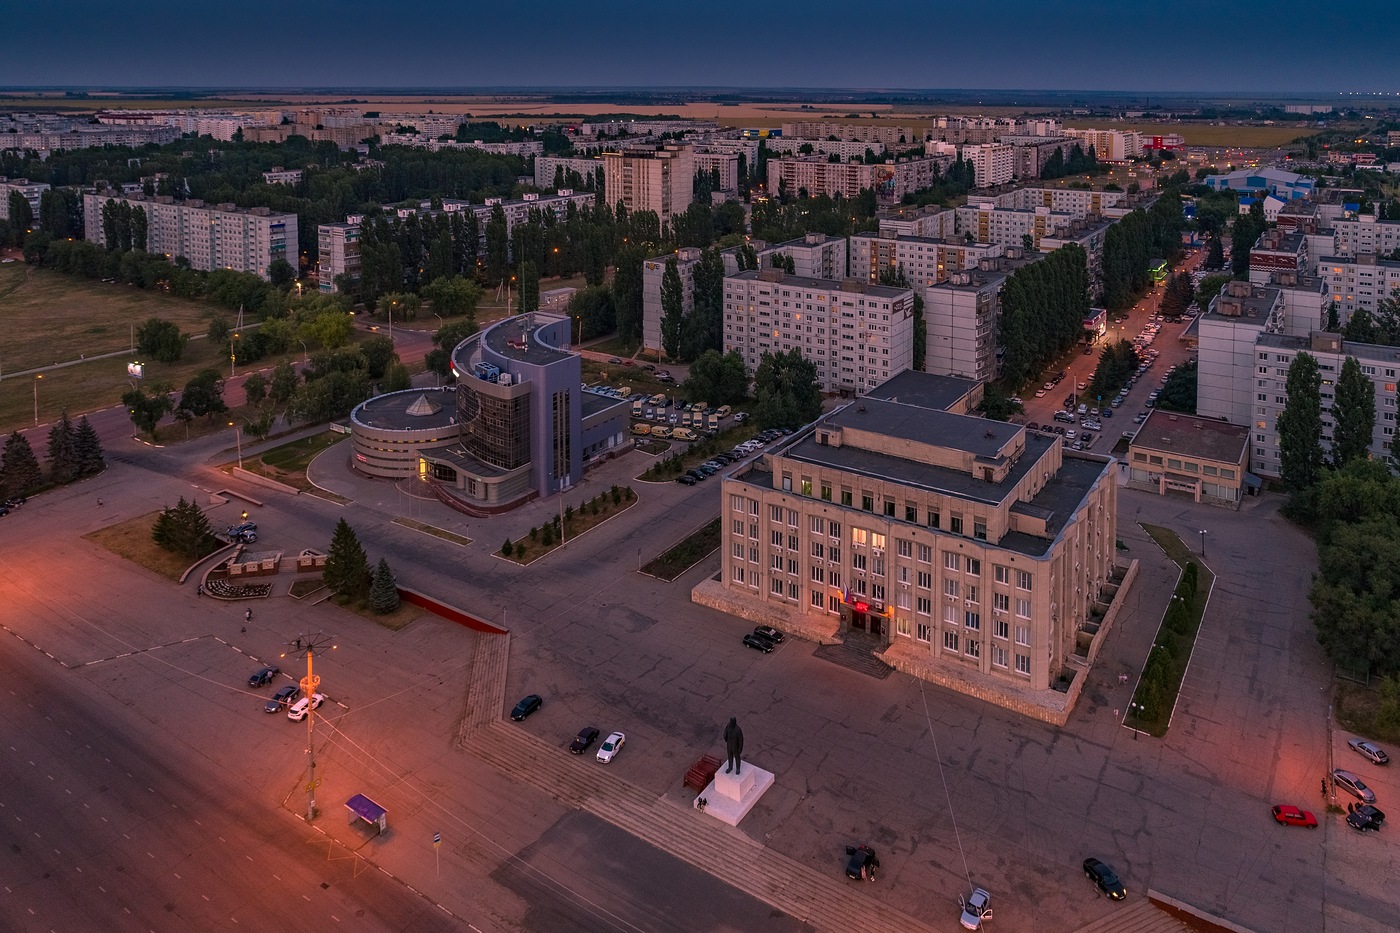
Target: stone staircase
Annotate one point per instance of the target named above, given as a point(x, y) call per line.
point(1138, 915)
point(856, 653)
point(826, 901)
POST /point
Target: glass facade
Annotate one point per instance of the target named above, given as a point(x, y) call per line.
point(495, 430)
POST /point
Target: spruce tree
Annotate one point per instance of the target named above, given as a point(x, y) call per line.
point(184, 529)
point(1354, 411)
point(384, 594)
point(63, 454)
point(88, 448)
point(347, 567)
point(1300, 425)
point(19, 468)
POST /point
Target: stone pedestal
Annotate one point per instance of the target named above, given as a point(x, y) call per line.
point(730, 797)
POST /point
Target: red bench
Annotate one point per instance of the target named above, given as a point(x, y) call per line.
point(702, 773)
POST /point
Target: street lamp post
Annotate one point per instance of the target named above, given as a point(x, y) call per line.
point(310, 644)
point(238, 439)
point(1203, 542)
point(305, 353)
point(232, 357)
point(37, 377)
point(1136, 710)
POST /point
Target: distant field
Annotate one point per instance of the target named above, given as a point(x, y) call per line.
point(1206, 135)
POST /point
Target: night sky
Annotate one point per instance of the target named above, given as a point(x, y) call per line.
point(1117, 45)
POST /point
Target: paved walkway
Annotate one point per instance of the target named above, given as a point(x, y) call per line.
point(1138, 915)
point(825, 902)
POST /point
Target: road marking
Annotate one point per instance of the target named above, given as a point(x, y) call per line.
point(175, 873)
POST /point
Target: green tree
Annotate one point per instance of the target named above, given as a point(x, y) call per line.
point(87, 447)
point(161, 340)
point(281, 274)
point(717, 379)
point(184, 529)
point(283, 384)
point(996, 404)
point(1179, 391)
point(147, 410)
point(445, 340)
point(1300, 425)
point(383, 593)
point(396, 379)
point(1353, 595)
point(672, 309)
point(529, 286)
point(786, 392)
point(219, 330)
point(347, 571)
point(1215, 254)
point(63, 452)
point(379, 355)
point(203, 394)
point(21, 214)
point(1354, 411)
point(453, 295)
point(19, 468)
point(627, 292)
point(255, 389)
point(497, 245)
point(1210, 289)
point(330, 329)
point(592, 311)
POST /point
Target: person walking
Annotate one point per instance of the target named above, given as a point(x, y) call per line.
point(199, 590)
point(247, 615)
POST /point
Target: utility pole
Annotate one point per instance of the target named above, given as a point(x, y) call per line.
point(308, 645)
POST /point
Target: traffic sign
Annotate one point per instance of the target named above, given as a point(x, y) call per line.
point(437, 839)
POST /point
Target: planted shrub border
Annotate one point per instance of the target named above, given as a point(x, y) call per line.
point(686, 553)
point(589, 513)
point(1154, 700)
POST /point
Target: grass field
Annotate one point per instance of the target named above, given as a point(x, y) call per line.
point(132, 539)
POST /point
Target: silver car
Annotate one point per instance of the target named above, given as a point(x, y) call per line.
point(1369, 750)
point(1353, 785)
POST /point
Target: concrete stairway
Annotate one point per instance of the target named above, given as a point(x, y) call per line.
point(856, 653)
point(1138, 915)
point(826, 901)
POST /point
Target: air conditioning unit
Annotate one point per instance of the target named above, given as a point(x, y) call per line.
point(504, 379)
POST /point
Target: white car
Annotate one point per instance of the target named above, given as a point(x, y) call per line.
point(298, 711)
point(609, 749)
point(976, 907)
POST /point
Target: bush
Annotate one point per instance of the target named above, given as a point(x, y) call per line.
point(506, 548)
point(568, 513)
point(616, 496)
point(547, 535)
point(520, 551)
point(534, 534)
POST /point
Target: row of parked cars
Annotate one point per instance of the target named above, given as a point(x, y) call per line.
point(1363, 817)
point(586, 736)
point(288, 697)
point(718, 462)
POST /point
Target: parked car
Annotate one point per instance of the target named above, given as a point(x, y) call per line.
point(686, 479)
point(1289, 815)
point(758, 642)
point(299, 709)
point(1105, 878)
point(610, 747)
point(741, 417)
point(861, 863)
point(1353, 785)
point(247, 533)
point(1369, 750)
point(614, 360)
point(770, 633)
point(282, 698)
point(263, 676)
point(585, 738)
point(1365, 818)
point(976, 907)
point(526, 706)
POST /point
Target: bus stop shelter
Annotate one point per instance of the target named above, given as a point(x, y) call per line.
point(369, 811)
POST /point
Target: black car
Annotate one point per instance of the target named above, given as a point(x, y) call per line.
point(1105, 878)
point(695, 474)
point(862, 863)
point(759, 642)
point(686, 480)
point(526, 706)
point(1365, 818)
point(770, 633)
point(282, 698)
point(263, 676)
point(586, 737)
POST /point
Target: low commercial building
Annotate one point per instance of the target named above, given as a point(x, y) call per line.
point(1203, 458)
point(282, 176)
point(1286, 185)
point(390, 433)
point(966, 551)
point(527, 428)
point(857, 335)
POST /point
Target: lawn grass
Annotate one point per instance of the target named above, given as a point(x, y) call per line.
point(433, 530)
point(582, 519)
point(688, 552)
point(1181, 644)
point(1358, 709)
point(132, 539)
point(616, 346)
point(287, 464)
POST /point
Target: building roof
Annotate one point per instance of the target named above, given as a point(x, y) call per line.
point(1190, 436)
point(517, 338)
point(909, 420)
point(595, 403)
point(853, 286)
point(924, 390)
point(409, 410)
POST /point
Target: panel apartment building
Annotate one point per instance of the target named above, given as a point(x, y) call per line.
point(210, 236)
point(973, 550)
point(659, 179)
point(857, 335)
point(962, 315)
point(926, 261)
point(31, 191)
point(890, 181)
point(892, 136)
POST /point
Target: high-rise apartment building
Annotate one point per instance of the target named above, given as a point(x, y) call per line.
point(338, 249)
point(993, 163)
point(659, 179)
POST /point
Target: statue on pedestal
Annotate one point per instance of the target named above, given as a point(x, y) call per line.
point(733, 745)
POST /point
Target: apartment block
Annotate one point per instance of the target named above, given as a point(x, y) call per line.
point(971, 552)
point(1277, 251)
point(1357, 282)
point(962, 314)
point(1274, 353)
point(1076, 202)
point(1228, 331)
point(844, 149)
point(1109, 145)
point(925, 261)
point(1032, 152)
point(338, 249)
point(892, 136)
point(890, 181)
point(723, 164)
point(1365, 233)
point(1010, 226)
point(31, 191)
point(1089, 234)
point(654, 269)
point(210, 236)
point(930, 221)
point(993, 163)
point(564, 172)
point(660, 180)
point(857, 335)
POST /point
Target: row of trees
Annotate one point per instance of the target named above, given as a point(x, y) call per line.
point(1117, 364)
point(1043, 309)
point(1302, 457)
point(1131, 244)
point(74, 452)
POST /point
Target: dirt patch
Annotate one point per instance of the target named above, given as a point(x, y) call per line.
point(132, 539)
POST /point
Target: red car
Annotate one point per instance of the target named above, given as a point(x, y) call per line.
point(1292, 816)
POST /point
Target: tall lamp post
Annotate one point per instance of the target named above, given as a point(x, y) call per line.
point(308, 645)
point(238, 439)
point(1203, 542)
point(305, 353)
point(232, 357)
point(37, 377)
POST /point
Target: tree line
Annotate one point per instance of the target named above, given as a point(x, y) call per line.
point(1043, 306)
point(74, 453)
